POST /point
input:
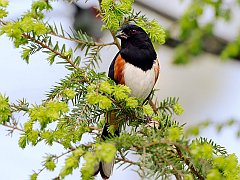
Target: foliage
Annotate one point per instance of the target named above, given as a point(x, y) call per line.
point(232, 50)
point(3, 5)
point(75, 106)
point(196, 35)
point(113, 12)
point(5, 110)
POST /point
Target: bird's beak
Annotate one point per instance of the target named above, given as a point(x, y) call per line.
point(122, 35)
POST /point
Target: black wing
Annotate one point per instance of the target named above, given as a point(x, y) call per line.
point(111, 68)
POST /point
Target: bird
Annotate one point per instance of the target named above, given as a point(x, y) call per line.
point(136, 66)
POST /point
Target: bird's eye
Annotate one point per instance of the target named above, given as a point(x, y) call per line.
point(133, 31)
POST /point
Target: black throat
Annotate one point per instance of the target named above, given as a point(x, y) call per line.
point(140, 54)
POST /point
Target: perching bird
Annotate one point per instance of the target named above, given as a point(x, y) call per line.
point(135, 66)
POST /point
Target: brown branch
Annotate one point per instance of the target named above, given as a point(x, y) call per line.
point(83, 42)
point(142, 167)
point(14, 127)
point(95, 128)
point(127, 161)
point(2, 22)
point(153, 105)
point(177, 174)
point(116, 42)
point(54, 159)
point(178, 151)
point(159, 142)
point(188, 163)
point(50, 49)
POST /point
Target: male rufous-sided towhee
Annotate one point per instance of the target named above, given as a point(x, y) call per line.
point(135, 66)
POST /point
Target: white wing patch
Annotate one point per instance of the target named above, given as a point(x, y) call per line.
point(140, 82)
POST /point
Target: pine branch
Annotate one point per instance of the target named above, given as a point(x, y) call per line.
point(43, 45)
point(126, 161)
point(167, 105)
point(153, 105)
point(13, 127)
point(116, 42)
point(83, 42)
point(56, 158)
point(164, 150)
point(93, 58)
point(189, 164)
point(142, 166)
point(177, 173)
point(217, 148)
point(2, 23)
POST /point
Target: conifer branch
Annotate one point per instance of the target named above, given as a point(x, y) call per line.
point(153, 105)
point(2, 23)
point(116, 42)
point(13, 127)
point(177, 173)
point(43, 45)
point(83, 42)
point(56, 158)
point(189, 164)
point(75, 106)
point(142, 167)
point(126, 161)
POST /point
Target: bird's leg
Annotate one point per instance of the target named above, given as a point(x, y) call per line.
point(152, 123)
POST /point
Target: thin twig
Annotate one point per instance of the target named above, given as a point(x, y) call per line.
point(158, 142)
point(14, 127)
point(176, 173)
point(116, 42)
point(143, 163)
point(50, 49)
point(154, 107)
point(54, 159)
point(188, 163)
point(127, 161)
point(2, 22)
point(95, 128)
point(83, 42)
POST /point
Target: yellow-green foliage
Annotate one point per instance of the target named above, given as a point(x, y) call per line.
point(5, 111)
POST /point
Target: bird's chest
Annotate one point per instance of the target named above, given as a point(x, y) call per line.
point(140, 82)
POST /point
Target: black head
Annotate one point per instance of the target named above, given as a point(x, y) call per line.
point(136, 46)
point(133, 33)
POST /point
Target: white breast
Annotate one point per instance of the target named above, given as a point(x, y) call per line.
point(140, 82)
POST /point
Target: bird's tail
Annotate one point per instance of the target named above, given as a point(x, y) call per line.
point(105, 168)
